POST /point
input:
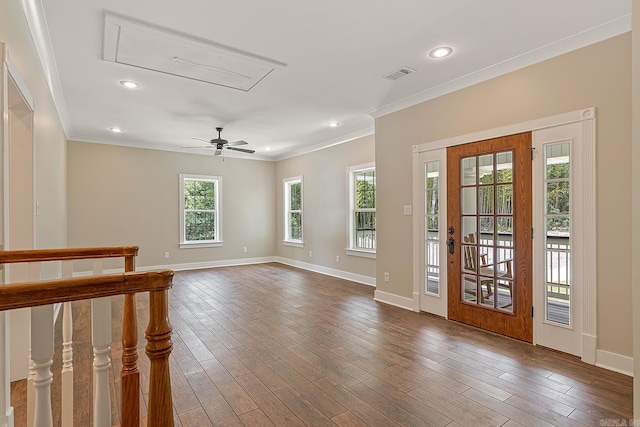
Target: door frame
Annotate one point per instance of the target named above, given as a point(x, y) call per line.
point(584, 256)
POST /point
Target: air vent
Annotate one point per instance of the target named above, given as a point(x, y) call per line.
point(158, 49)
point(404, 71)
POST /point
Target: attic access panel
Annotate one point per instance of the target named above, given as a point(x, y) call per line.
point(145, 46)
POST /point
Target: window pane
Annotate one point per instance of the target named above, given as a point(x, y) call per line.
point(295, 193)
point(468, 201)
point(504, 167)
point(558, 197)
point(557, 160)
point(365, 190)
point(485, 200)
point(468, 171)
point(485, 169)
point(295, 225)
point(504, 199)
point(431, 202)
point(199, 226)
point(365, 230)
point(432, 175)
point(199, 195)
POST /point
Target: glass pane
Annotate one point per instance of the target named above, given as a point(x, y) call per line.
point(485, 200)
point(485, 169)
point(431, 223)
point(295, 225)
point(365, 190)
point(468, 201)
point(468, 171)
point(504, 228)
point(295, 193)
point(504, 291)
point(431, 202)
point(504, 266)
point(558, 226)
point(199, 226)
point(486, 260)
point(557, 160)
point(504, 199)
point(432, 175)
point(558, 197)
point(433, 280)
point(469, 258)
point(486, 230)
point(558, 306)
point(504, 167)
point(469, 229)
point(558, 266)
point(469, 288)
point(487, 292)
point(199, 195)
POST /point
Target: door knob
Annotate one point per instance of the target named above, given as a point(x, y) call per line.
point(451, 245)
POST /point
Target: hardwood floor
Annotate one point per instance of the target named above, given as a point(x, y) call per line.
point(271, 345)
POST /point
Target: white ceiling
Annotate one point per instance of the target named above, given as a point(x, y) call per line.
point(335, 52)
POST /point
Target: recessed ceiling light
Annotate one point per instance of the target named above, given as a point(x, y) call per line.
point(441, 52)
point(130, 84)
point(267, 148)
point(333, 124)
point(116, 130)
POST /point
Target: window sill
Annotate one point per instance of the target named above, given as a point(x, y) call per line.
point(194, 245)
point(294, 244)
point(361, 253)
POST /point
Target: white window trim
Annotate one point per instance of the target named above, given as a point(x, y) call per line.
point(218, 208)
point(351, 248)
point(287, 240)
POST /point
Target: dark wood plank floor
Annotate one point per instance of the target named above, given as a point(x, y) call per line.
point(271, 345)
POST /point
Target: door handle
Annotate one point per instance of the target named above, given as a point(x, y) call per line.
point(451, 245)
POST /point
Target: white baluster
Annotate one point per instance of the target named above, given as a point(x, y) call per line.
point(67, 353)
point(42, 357)
point(101, 338)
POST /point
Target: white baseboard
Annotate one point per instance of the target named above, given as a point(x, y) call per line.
point(359, 278)
point(589, 349)
point(395, 300)
point(615, 362)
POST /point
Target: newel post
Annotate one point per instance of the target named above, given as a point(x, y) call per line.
point(158, 349)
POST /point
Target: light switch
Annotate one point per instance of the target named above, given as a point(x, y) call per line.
point(408, 210)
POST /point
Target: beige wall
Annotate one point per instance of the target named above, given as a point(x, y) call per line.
point(595, 76)
point(636, 204)
point(325, 205)
point(50, 141)
point(130, 196)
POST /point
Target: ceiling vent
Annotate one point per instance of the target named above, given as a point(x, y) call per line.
point(404, 71)
point(158, 49)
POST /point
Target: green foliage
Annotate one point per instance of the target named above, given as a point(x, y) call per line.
point(295, 196)
point(199, 204)
point(366, 190)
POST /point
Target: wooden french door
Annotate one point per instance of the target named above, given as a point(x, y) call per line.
point(489, 229)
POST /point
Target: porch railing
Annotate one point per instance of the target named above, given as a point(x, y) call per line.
point(42, 295)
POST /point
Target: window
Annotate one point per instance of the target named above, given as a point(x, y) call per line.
point(362, 210)
point(200, 215)
point(293, 211)
point(558, 232)
point(431, 232)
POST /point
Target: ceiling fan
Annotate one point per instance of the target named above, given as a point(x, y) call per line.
point(219, 143)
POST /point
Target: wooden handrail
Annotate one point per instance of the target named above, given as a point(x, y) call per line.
point(31, 294)
point(158, 333)
point(8, 257)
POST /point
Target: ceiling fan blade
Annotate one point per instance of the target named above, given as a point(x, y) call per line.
point(200, 147)
point(218, 152)
point(198, 139)
point(234, 143)
point(244, 150)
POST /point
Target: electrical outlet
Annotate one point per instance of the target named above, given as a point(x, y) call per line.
point(310, 254)
point(337, 258)
point(166, 255)
point(386, 276)
point(244, 249)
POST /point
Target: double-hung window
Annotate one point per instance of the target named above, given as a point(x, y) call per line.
point(293, 211)
point(200, 213)
point(362, 210)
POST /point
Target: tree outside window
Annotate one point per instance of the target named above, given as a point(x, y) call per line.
point(293, 209)
point(200, 214)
